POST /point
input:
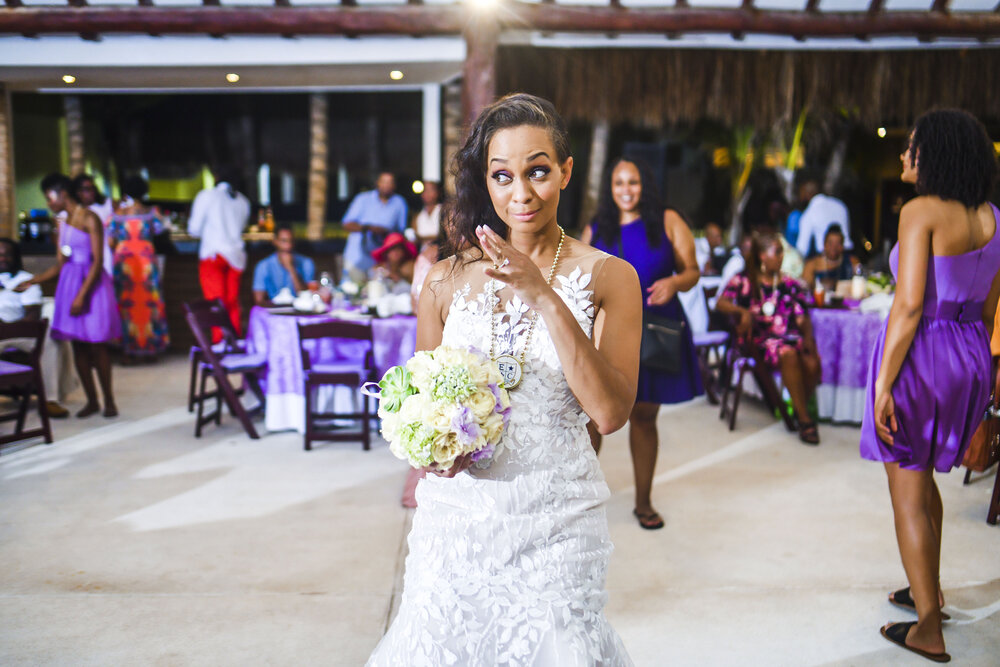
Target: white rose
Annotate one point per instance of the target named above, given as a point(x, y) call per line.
point(422, 368)
point(445, 449)
point(493, 428)
point(482, 403)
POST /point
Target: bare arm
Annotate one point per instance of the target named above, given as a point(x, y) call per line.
point(96, 231)
point(809, 272)
point(687, 273)
point(743, 315)
point(433, 306)
point(260, 297)
point(907, 307)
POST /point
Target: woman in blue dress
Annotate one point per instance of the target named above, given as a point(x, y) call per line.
point(632, 224)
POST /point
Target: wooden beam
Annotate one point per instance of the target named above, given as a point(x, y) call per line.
point(876, 6)
point(479, 73)
point(14, 3)
point(940, 6)
point(8, 219)
point(318, 166)
point(452, 19)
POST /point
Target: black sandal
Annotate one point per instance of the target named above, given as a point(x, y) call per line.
point(896, 633)
point(809, 433)
point(904, 600)
point(649, 521)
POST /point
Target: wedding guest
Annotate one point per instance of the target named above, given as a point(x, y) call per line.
point(86, 312)
point(137, 273)
point(285, 269)
point(16, 306)
point(631, 223)
point(87, 193)
point(395, 261)
point(930, 374)
point(218, 216)
point(508, 557)
point(820, 212)
point(772, 315)
point(427, 224)
point(371, 215)
point(834, 264)
point(711, 251)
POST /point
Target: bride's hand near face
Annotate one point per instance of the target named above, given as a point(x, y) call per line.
point(512, 267)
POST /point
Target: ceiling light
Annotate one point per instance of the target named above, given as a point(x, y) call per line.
point(69, 78)
point(418, 187)
point(395, 75)
point(232, 77)
point(881, 132)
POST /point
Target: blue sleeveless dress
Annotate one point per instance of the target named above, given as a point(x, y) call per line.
point(945, 380)
point(653, 263)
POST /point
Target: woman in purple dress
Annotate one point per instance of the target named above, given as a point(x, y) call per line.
point(86, 312)
point(632, 224)
point(929, 378)
point(772, 316)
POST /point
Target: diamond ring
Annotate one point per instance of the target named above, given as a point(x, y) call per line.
point(504, 263)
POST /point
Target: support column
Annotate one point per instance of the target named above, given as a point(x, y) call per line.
point(74, 134)
point(318, 152)
point(453, 130)
point(595, 170)
point(8, 217)
point(479, 77)
point(431, 117)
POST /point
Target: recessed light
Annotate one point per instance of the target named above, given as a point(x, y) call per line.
point(232, 77)
point(395, 75)
point(69, 78)
point(418, 187)
point(881, 132)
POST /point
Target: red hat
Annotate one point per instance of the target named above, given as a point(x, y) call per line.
point(391, 241)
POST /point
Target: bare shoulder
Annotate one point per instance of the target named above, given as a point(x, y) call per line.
point(90, 221)
point(617, 277)
point(924, 211)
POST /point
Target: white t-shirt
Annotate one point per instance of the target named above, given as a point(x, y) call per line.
point(12, 304)
point(428, 224)
point(218, 220)
point(822, 212)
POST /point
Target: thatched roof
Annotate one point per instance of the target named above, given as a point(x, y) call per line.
point(651, 87)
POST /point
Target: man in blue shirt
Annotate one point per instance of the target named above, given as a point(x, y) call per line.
point(282, 269)
point(371, 216)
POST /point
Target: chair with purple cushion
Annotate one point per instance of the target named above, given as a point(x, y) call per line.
point(351, 373)
point(230, 342)
point(740, 359)
point(25, 380)
point(219, 365)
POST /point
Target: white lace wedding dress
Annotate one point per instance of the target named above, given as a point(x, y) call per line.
point(507, 563)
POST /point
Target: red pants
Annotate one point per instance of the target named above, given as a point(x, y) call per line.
point(219, 280)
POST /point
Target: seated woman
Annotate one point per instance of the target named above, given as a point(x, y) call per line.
point(395, 261)
point(772, 316)
point(834, 264)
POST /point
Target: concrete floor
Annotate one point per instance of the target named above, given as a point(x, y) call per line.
point(128, 542)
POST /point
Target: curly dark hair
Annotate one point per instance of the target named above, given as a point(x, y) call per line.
point(472, 205)
point(759, 244)
point(16, 262)
point(135, 187)
point(83, 179)
point(59, 183)
point(957, 160)
point(608, 217)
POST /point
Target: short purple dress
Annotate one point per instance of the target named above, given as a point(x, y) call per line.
point(100, 323)
point(944, 382)
point(652, 263)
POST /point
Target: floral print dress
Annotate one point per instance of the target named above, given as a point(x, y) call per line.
point(137, 283)
point(776, 312)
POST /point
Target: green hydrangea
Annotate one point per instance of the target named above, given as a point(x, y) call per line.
point(415, 440)
point(396, 387)
point(454, 383)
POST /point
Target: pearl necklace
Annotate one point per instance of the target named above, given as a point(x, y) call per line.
point(512, 368)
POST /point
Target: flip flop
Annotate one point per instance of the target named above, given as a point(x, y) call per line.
point(809, 433)
point(903, 600)
point(896, 633)
point(651, 521)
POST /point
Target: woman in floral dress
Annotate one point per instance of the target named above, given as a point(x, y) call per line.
point(136, 274)
point(773, 317)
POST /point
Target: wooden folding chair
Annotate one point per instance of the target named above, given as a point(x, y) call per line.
point(350, 373)
point(220, 365)
point(230, 343)
point(24, 380)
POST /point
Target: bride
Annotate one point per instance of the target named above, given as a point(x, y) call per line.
point(507, 561)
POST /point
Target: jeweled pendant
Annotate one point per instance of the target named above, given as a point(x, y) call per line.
point(510, 370)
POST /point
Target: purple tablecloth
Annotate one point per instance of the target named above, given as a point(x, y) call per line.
point(844, 341)
point(277, 337)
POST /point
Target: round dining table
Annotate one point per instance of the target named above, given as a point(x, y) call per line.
point(274, 334)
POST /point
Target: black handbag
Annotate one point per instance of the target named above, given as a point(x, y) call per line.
point(662, 343)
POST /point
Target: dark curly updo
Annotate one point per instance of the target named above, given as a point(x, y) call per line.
point(956, 155)
point(472, 205)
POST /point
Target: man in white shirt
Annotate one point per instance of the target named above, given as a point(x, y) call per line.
point(27, 305)
point(218, 216)
point(821, 212)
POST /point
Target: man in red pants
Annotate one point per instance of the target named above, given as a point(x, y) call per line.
point(218, 216)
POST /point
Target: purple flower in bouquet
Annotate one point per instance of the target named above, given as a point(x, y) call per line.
point(465, 427)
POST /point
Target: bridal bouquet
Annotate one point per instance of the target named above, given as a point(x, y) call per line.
point(441, 405)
